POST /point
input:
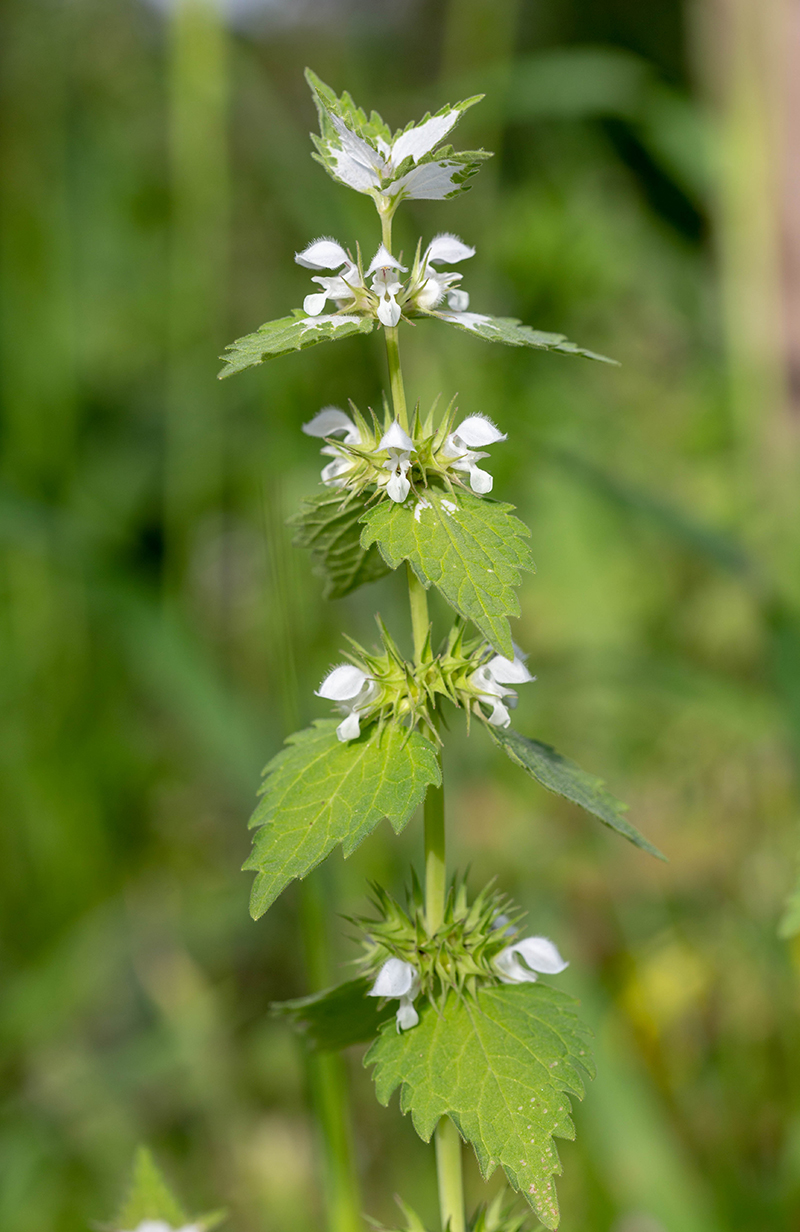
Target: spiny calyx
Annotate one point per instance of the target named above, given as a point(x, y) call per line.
point(473, 946)
point(388, 688)
point(383, 457)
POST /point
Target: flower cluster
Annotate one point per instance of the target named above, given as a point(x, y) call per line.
point(379, 291)
point(475, 945)
point(385, 685)
point(393, 463)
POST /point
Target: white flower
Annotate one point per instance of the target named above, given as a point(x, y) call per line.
point(537, 954)
point(399, 979)
point(436, 285)
point(489, 679)
point(463, 446)
point(330, 422)
point(386, 285)
point(342, 287)
point(399, 446)
point(354, 692)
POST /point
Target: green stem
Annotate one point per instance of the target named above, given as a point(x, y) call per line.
point(435, 860)
point(392, 342)
point(396, 377)
point(420, 622)
point(448, 1171)
point(448, 1142)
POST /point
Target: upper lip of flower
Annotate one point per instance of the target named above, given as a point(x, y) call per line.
point(538, 954)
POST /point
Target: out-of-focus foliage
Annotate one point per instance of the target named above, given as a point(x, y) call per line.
point(156, 181)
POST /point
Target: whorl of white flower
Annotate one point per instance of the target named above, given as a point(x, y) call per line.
point(434, 286)
point(537, 954)
point(160, 1225)
point(327, 253)
point(330, 422)
point(354, 692)
point(489, 679)
point(399, 979)
point(386, 285)
point(463, 446)
point(399, 445)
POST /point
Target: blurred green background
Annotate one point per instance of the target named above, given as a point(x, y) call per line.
point(156, 181)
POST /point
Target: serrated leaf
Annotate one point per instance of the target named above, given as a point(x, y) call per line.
point(562, 776)
point(413, 163)
point(149, 1196)
point(288, 334)
point(338, 1017)
point(473, 555)
point(318, 792)
point(500, 1066)
point(331, 530)
point(513, 333)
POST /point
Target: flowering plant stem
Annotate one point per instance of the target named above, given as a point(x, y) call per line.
point(448, 1142)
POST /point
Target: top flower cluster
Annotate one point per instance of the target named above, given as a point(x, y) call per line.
point(411, 164)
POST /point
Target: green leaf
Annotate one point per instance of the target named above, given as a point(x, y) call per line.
point(473, 555)
point(318, 792)
point(562, 776)
point(293, 333)
point(338, 1017)
point(331, 530)
point(149, 1196)
point(499, 1066)
point(513, 333)
point(362, 153)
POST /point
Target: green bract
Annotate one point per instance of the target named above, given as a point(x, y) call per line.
point(458, 956)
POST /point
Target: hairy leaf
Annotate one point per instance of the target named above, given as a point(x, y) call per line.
point(562, 776)
point(293, 333)
point(363, 154)
point(338, 1017)
point(472, 552)
point(499, 1065)
point(513, 333)
point(332, 532)
point(318, 792)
